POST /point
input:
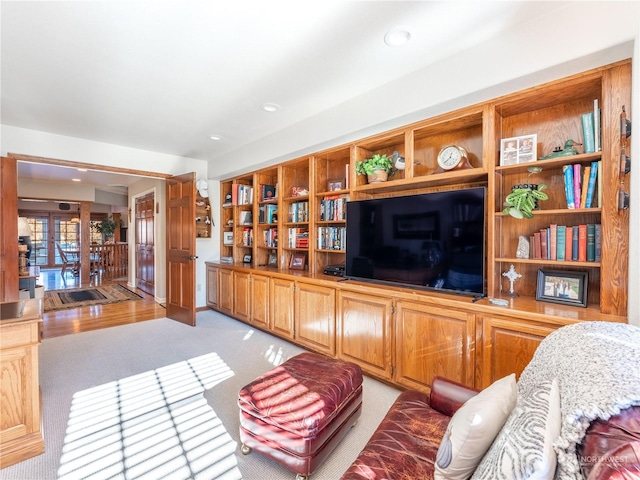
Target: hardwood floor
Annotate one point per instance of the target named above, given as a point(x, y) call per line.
point(75, 320)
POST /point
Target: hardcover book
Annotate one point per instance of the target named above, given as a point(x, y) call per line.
point(598, 242)
point(591, 242)
point(568, 185)
point(591, 185)
point(582, 243)
point(585, 183)
point(575, 244)
point(577, 177)
point(568, 253)
point(561, 242)
point(588, 133)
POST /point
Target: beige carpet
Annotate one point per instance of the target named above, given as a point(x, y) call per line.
point(80, 297)
point(158, 399)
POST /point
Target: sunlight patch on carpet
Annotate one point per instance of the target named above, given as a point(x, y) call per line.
point(153, 425)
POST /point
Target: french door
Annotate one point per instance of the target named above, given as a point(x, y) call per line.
point(47, 229)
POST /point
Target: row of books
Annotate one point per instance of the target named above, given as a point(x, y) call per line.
point(298, 238)
point(247, 237)
point(299, 211)
point(578, 243)
point(583, 185)
point(334, 207)
point(332, 238)
point(241, 194)
point(268, 213)
point(270, 237)
point(591, 132)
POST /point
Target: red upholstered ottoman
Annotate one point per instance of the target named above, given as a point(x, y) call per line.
point(298, 412)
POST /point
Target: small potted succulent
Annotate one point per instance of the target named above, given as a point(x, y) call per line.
point(523, 200)
point(378, 168)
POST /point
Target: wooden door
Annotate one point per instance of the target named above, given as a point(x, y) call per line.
point(507, 347)
point(145, 243)
point(241, 296)
point(181, 248)
point(281, 307)
point(225, 290)
point(315, 317)
point(432, 341)
point(260, 300)
point(9, 238)
point(212, 286)
point(365, 335)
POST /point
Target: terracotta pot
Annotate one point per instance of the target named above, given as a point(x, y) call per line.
point(377, 176)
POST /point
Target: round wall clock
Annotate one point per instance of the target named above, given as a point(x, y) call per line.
point(452, 157)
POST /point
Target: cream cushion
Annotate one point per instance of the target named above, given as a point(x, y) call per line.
point(473, 428)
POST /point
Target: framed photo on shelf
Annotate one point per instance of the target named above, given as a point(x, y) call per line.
point(298, 261)
point(335, 185)
point(272, 261)
point(246, 259)
point(227, 238)
point(556, 286)
point(517, 150)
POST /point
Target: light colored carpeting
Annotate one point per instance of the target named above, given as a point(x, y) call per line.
point(158, 399)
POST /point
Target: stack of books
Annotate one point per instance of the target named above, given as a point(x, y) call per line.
point(583, 185)
point(578, 243)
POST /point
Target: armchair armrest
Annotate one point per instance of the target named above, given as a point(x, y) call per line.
point(448, 396)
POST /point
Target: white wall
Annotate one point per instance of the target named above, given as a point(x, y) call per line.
point(587, 35)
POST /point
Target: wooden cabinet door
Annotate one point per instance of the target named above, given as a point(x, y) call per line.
point(212, 286)
point(432, 341)
point(364, 333)
point(260, 301)
point(225, 291)
point(241, 296)
point(315, 317)
point(281, 301)
point(507, 347)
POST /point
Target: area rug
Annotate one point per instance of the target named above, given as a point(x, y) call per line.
point(81, 297)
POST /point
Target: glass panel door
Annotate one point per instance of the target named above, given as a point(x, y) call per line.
point(67, 233)
point(40, 238)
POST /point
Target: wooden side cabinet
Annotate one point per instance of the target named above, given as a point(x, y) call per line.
point(364, 333)
point(315, 317)
point(20, 434)
point(508, 346)
point(433, 341)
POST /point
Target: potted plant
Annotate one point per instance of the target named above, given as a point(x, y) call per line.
point(523, 199)
point(106, 227)
point(378, 168)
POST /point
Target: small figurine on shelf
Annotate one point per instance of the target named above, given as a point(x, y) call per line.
point(512, 275)
point(558, 152)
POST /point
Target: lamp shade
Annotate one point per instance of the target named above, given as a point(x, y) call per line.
point(24, 229)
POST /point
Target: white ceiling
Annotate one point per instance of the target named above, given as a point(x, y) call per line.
point(163, 76)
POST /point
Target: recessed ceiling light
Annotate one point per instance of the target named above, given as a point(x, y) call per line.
point(397, 37)
point(270, 107)
point(82, 169)
point(215, 137)
point(76, 180)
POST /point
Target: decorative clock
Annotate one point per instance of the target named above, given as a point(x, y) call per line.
point(453, 157)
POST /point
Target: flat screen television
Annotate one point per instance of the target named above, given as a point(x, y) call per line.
point(432, 241)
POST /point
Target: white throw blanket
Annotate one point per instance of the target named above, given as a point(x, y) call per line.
point(597, 365)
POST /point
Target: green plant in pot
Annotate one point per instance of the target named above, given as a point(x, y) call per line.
point(523, 200)
point(106, 227)
point(378, 168)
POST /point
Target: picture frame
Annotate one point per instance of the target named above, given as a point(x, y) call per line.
point(246, 259)
point(272, 260)
point(335, 184)
point(298, 261)
point(518, 150)
point(227, 238)
point(566, 287)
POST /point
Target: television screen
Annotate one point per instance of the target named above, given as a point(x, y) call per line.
point(433, 241)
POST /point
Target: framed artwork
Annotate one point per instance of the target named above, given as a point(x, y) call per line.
point(272, 261)
point(336, 185)
point(569, 288)
point(227, 238)
point(517, 150)
point(246, 259)
point(298, 261)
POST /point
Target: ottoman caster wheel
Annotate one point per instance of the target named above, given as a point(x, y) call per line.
point(245, 450)
point(301, 477)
